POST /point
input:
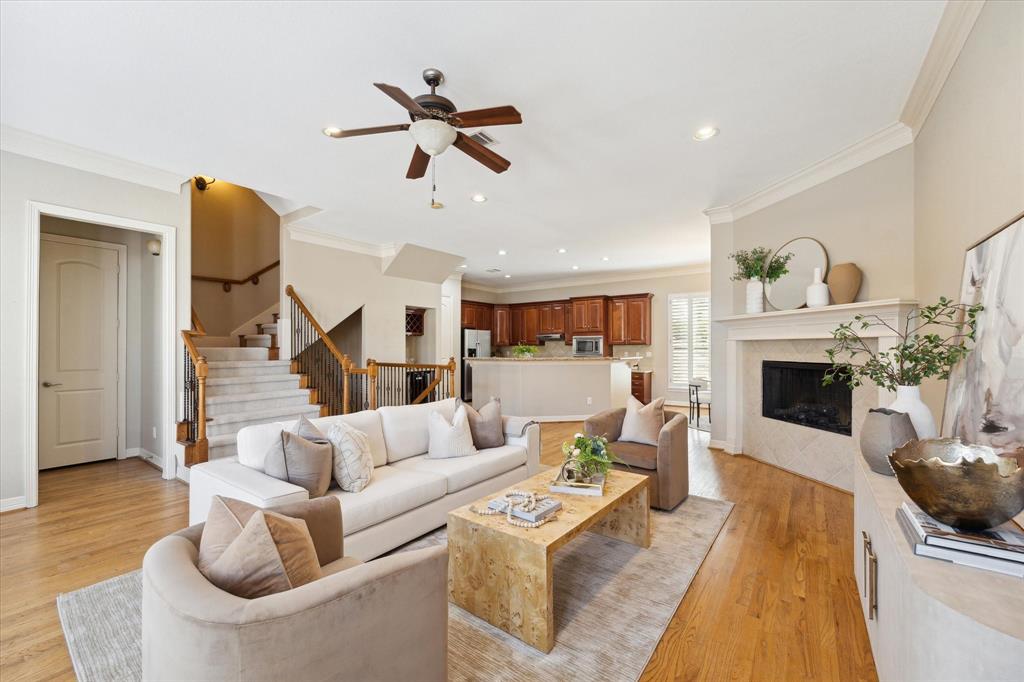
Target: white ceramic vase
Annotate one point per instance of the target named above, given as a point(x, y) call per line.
point(908, 400)
point(755, 296)
point(817, 292)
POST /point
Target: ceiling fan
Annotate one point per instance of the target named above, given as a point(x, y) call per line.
point(434, 123)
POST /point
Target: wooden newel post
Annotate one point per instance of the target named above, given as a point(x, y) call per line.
point(451, 377)
point(202, 452)
point(371, 373)
point(346, 381)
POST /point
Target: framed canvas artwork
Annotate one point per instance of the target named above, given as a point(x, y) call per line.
point(985, 392)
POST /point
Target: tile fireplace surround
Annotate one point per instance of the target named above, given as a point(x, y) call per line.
point(797, 335)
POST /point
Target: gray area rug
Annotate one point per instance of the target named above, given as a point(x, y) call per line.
point(613, 602)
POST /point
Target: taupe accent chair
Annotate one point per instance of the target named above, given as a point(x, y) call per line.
point(667, 465)
point(382, 620)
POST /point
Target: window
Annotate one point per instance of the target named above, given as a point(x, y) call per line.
point(689, 323)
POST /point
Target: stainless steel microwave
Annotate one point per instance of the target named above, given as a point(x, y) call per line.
point(588, 345)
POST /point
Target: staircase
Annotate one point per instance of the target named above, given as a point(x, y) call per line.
point(247, 384)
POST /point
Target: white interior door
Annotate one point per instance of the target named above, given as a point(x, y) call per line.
point(78, 353)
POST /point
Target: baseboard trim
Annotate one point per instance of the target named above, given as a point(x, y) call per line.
point(12, 503)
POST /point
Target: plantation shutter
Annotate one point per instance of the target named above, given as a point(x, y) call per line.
point(690, 339)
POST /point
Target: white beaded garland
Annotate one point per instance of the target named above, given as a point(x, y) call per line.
point(518, 499)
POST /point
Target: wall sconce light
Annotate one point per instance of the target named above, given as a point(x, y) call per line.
point(203, 182)
point(153, 246)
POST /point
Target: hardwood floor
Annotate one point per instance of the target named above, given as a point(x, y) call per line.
point(774, 600)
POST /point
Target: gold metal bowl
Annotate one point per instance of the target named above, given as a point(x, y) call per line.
point(964, 486)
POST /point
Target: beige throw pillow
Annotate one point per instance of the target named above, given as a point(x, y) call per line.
point(301, 462)
point(485, 425)
point(224, 523)
point(273, 553)
point(450, 439)
point(353, 461)
point(643, 423)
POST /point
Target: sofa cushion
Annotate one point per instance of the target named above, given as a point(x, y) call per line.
point(486, 425)
point(390, 492)
point(405, 427)
point(635, 454)
point(224, 523)
point(450, 438)
point(353, 463)
point(367, 421)
point(302, 462)
point(462, 472)
point(643, 423)
point(273, 553)
point(254, 441)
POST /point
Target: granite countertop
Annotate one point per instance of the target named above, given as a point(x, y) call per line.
point(545, 359)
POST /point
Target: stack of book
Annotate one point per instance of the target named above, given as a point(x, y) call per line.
point(999, 549)
point(545, 508)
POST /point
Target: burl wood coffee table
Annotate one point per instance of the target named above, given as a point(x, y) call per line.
point(503, 574)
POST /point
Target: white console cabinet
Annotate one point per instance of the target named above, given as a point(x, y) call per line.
point(929, 619)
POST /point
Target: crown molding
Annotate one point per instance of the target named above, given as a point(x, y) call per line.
point(610, 278)
point(304, 234)
point(954, 27)
point(890, 138)
point(47, 149)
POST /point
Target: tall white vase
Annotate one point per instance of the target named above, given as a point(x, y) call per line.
point(755, 296)
point(908, 400)
point(817, 292)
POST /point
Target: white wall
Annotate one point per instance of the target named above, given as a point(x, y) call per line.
point(24, 179)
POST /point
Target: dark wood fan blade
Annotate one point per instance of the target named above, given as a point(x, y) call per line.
point(399, 96)
point(418, 165)
point(481, 153)
point(355, 132)
point(495, 116)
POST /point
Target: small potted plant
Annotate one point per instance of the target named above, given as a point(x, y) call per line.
point(586, 457)
point(524, 350)
point(756, 267)
point(921, 351)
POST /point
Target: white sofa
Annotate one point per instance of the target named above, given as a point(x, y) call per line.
point(408, 494)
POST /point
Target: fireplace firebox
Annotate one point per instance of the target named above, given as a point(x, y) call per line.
point(792, 392)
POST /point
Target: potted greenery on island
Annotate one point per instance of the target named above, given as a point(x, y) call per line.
point(523, 350)
point(920, 352)
point(756, 267)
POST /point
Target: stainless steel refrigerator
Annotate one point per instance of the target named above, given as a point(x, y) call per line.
point(475, 344)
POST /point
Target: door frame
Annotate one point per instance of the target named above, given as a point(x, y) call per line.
point(168, 253)
point(122, 328)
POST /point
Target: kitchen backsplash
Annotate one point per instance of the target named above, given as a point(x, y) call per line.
point(558, 349)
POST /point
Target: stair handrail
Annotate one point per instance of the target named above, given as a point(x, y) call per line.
point(309, 360)
point(227, 282)
point(192, 430)
point(290, 291)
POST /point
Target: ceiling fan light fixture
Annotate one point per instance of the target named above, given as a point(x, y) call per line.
point(432, 136)
point(331, 131)
point(478, 198)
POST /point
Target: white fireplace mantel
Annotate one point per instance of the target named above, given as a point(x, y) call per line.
point(803, 323)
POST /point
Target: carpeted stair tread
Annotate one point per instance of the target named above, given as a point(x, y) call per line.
point(274, 414)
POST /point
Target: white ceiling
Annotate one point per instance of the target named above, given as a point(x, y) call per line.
point(603, 165)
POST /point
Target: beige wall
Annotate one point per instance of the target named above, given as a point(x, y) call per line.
point(661, 287)
point(865, 216)
point(234, 234)
point(347, 336)
point(969, 157)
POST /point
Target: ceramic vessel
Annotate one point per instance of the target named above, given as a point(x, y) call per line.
point(817, 292)
point(908, 400)
point(883, 431)
point(844, 282)
point(969, 487)
point(755, 296)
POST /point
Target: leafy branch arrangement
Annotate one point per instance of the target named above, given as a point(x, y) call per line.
point(524, 350)
point(588, 456)
point(915, 357)
point(755, 264)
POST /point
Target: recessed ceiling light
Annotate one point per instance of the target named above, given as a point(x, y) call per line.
point(502, 252)
point(705, 133)
point(605, 258)
point(575, 267)
point(508, 276)
point(436, 204)
point(478, 198)
point(562, 250)
point(463, 266)
point(331, 131)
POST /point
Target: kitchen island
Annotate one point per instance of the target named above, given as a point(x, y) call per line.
point(551, 389)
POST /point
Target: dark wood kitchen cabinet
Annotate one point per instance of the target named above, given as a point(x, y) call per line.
point(640, 385)
point(629, 319)
point(552, 317)
point(476, 315)
point(501, 326)
point(515, 325)
point(588, 315)
point(531, 324)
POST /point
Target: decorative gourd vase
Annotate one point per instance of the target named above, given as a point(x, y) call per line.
point(908, 400)
point(755, 296)
point(882, 432)
point(817, 292)
point(844, 282)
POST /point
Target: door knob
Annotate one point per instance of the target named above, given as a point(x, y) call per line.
point(47, 384)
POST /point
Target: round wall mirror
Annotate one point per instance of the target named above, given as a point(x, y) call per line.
point(789, 292)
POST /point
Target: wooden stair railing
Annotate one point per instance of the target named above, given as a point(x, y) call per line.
point(191, 431)
point(316, 357)
point(226, 282)
point(403, 383)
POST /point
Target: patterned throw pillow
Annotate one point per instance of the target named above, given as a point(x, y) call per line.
point(642, 423)
point(450, 439)
point(353, 461)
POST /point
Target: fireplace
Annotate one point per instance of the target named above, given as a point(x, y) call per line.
point(792, 392)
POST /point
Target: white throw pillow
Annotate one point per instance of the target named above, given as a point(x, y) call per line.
point(643, 423)
point(353, 458)
point(450, 439)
